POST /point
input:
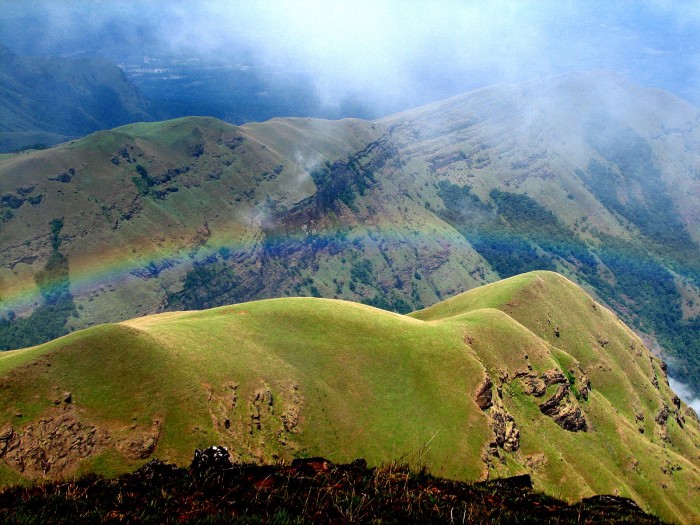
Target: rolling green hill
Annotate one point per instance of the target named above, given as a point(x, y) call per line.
point(526, 375)
point(584, 174)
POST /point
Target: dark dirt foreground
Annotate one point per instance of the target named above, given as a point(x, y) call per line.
point(213, 490)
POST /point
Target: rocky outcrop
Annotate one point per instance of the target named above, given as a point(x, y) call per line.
point(506, 435)
point(506, 432)
point(51, 446)
point(534, 386)
point(257, 424)
point(563, 406)
point(290, 416)
point(662, 415)
point(665, 413)
point(484, 394)
point(564, 411)
point(209, 460)
point(554, 377)
point(140, 445)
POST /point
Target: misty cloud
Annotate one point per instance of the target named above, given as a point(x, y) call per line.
point(391, 54)
point(685, 393)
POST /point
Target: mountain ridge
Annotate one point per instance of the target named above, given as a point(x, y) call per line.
point(400, 213)
point(575, 400)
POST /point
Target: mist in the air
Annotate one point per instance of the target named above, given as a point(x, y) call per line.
point(376, 57)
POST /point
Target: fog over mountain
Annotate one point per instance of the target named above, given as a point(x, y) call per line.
point(369, 59)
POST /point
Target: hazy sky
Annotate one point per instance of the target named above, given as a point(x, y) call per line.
point(392, 52)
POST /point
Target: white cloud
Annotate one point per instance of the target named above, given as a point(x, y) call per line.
point(384, 51)
point(685, 393)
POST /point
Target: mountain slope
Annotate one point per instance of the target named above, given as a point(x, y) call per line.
point(584, 174)
point(45, 100)
point(481, 384)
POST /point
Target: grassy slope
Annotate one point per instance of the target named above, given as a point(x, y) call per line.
point(373, 384)
point(399, 221)
point(111, 228)
point(621, 375)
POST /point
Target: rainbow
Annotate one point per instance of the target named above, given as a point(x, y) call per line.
point(93, 274)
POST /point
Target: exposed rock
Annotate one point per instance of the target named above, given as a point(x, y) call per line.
point(8, 439)
point(676, 402)
point(584, 385)
point(553, 377)
point(290, 417)
point(484, 394)
point(534, 386)
point(51, 446)
point(255, 418)
point(262, 403)
point(535, 461)
point(234, 395)
point(565, 413)
point(662, 416)
point(142, 445)
point(210, 459)
point(507, 434)
point(680, 419)
point(661, 430)
point(505, 430)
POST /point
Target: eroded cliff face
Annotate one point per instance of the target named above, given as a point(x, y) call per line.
point(55, 445)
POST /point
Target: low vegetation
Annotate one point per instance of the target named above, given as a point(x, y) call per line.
point(307, 491)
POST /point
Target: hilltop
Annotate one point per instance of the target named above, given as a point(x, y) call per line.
point(526, 375)
point(584, 174)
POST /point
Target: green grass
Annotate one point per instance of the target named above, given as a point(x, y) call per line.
point(373, 384)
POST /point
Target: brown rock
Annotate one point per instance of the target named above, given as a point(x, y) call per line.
point(564, 412)
point(534, 386)
point(662, 416)
point(484, 394)
point(51, 446)
point(505, 430)
point(141, 445)
point(584, 387)
point(553, 377)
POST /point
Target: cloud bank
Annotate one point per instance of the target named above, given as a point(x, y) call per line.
point(391, 53)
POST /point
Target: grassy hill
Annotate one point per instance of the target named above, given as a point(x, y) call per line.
point(585, 174)
point(527, 375)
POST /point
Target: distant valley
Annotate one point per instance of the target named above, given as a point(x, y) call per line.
point(48, 100)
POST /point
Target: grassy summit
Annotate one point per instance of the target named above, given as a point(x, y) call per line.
point(527, 375)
